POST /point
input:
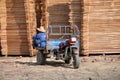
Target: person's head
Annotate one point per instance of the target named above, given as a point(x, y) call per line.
point(41, 29)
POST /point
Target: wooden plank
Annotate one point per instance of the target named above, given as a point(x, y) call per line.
point(30, 20)
point(3, 27)
point(104, 25)
point(58, 8)
point(22, 27)
point(15, 1)
point(18, 53)
point(0, 32)
point(16, 27)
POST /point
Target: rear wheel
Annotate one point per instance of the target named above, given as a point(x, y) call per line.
point(67, 61)
point(76, 60)
point(41, 58)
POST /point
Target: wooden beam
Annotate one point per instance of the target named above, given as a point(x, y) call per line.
point(85, 28)
point(70, 16)
point(31, 23)
point(3, 28)
point(45, 14)
point(87, 33)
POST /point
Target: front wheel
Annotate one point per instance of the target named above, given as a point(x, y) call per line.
point(41, 58)
point(76, 60)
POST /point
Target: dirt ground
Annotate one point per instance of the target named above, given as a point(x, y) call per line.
point(91, 68)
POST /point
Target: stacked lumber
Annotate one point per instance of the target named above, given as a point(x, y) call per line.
point(38, 5)
point(98, 21)
point(3, 24)
point(45, 14)
point(75, 12)
point(31, 23)
point(58, 15)
point(58, 12)
point(0, 33)
point(16, 28)
point(102, 26)
point(75, 16)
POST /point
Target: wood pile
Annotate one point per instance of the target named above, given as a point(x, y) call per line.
point(76, 17)
point(38, 5)
point(75, 12)
point(15, 27)
point(3, 24)
point(45, 14)
point(0, 33)
point(58, 12)
point(31, 23)
point(101, 30)
point(98, 21)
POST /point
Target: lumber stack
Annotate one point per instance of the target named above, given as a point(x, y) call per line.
point(45, 14)
point(38, 5)
point(0, 33)
point(58, 12)
point(75, 12)
point(101, 26)
point(0, 29)
point(31, 23)
point(16, 28)
point(75, 16)
point(98, 21)
point(58, 15)
point(3, 24)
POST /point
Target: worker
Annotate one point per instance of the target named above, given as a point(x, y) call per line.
point(39, 40)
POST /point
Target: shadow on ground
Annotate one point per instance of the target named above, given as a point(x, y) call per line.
point(48, 63)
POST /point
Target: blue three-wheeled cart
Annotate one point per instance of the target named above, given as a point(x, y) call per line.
point(63, 44)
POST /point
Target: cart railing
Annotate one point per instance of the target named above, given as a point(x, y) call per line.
point(59, 30)
point(63, 31)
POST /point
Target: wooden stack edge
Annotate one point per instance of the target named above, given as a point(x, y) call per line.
point(17, 39)
point(45, 14)
point(3, 22)
point(58, 12)
point(76, 14)
point(70, 16)
point(96, 18)
point(85, 29)
point(0, 31)
point(105, 51)
point(31, 23)
point(101, 27)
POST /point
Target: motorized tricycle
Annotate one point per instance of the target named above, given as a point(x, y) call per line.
point(65, 47)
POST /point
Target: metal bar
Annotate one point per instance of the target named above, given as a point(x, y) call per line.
point(60, 34)
point(60, 29)
point(65, 29)
point(50, 29)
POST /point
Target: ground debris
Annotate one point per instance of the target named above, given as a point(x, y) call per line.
point(19, 57)
point(27, 69)
point(7, 62)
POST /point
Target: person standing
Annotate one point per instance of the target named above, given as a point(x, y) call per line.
point(39, 39)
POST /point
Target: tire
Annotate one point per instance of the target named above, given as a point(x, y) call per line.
point(41, 59)
point(67, 61)
point(67, 56)
point(76, 60)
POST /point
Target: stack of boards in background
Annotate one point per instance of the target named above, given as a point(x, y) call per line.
point(17, 22)
point(103, 26)
point(98, 22)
